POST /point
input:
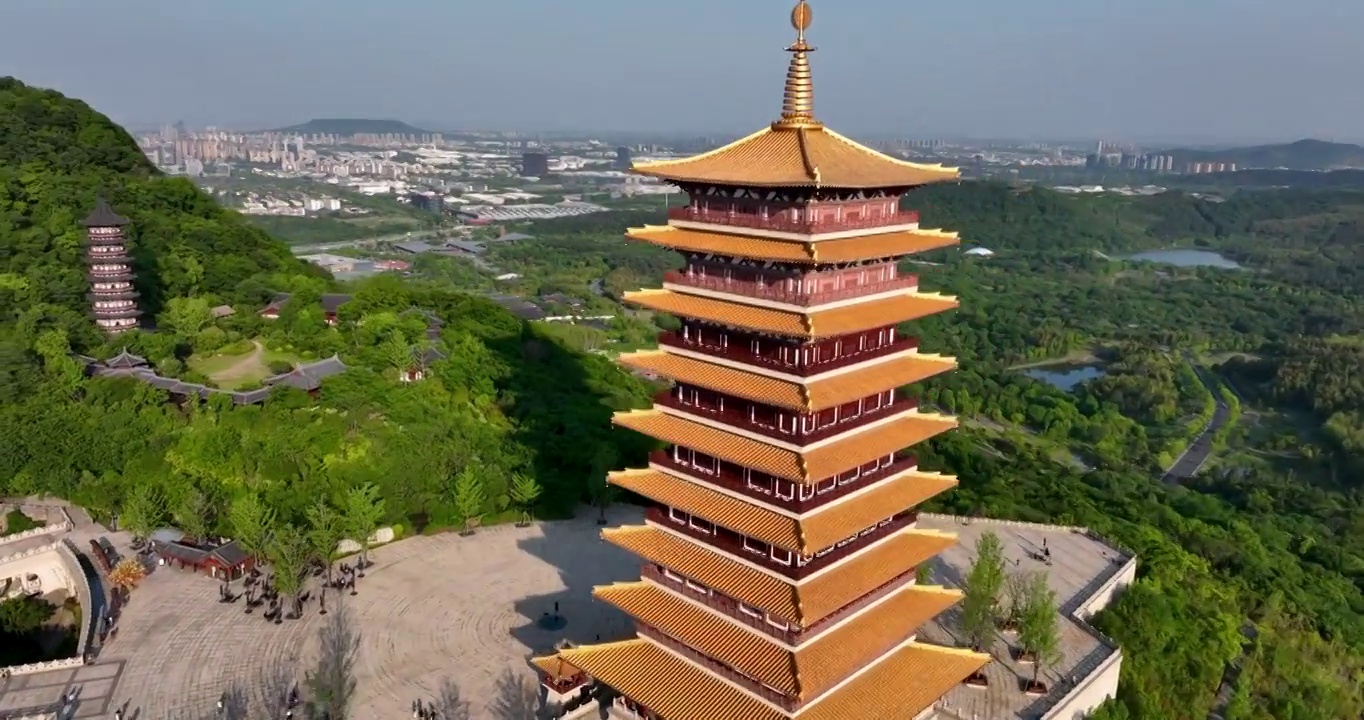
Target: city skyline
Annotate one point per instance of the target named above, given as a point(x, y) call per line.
point(1219, 72)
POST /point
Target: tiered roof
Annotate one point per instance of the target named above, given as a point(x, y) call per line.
point(817, 324)
point(103, 216)
point(799, 602)
point(804, 533)
point(802, 673)
point(804, 252)
point(810, 465)
point(800, 394)
point(649, 673)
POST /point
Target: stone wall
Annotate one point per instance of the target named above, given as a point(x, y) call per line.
point(54, 565)
point(56, 518)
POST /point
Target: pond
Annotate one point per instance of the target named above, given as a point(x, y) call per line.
point(1185, 258)
point(1065, 377)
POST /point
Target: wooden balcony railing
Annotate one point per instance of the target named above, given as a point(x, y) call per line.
point(730, 477)
point(758, 221)
point(780, 293)
point(742, 354)
point(739, 418)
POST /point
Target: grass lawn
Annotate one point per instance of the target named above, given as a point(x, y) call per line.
point(17, 522)
point(231, 371)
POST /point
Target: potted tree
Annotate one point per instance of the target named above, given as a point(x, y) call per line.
point(980, 592)
point(1015, 601)
point(1038, 638)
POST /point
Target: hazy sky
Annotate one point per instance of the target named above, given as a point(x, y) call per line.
point(1153, 69)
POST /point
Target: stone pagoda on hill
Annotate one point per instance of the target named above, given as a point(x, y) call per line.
point(112, 297)
point(781, 548)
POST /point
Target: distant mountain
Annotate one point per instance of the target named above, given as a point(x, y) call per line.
point(351, 126)
point(1300, 155)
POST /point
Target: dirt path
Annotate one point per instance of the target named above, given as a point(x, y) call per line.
point(251, 366)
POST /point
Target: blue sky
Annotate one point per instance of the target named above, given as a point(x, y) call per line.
point(1196, 70)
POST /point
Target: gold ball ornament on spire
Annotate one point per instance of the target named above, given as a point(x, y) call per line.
point(801, 16)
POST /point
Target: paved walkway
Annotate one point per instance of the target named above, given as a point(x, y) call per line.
point(431, 608)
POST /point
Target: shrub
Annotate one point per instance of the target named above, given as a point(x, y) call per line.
point(279, 367)
point(240, 347)
point(210, 339)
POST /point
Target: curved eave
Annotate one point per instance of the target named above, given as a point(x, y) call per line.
point(808, 157)
point(801, 252)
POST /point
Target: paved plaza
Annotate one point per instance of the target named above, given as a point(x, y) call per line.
point(466, 608)
point(1081, 565)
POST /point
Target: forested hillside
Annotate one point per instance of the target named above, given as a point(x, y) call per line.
point(501, 402)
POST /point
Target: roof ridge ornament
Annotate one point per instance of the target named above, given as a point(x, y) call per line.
point(798, 99)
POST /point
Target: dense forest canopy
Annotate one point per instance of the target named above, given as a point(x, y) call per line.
point(1272, 538)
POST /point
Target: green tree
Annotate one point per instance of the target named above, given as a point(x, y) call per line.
point(362, 511)
point(469, 497)
point(192, 512)
point(524, 492)
point(1016, 588)
point(143, 509)
point(252, 523)
point(326, 530)
point(24, 614)
point(1037, 631)
point(186, 316)
point(981, 591)
point(289, 553)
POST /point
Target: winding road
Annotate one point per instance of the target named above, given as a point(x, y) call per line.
point(1191, 461)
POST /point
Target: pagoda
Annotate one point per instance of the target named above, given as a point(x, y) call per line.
point(780, 547)
point(112, 297)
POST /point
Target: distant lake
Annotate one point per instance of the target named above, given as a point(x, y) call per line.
point(1065, 377)
point(1185, 258)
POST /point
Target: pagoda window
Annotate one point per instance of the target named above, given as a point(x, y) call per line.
point(786, 423)
point(750, 610)
point(761, 483)
point(824, 552)
point(807, 492)
point(677, 516)
point(871, 403)
point(698, 587)
point(827, 486)
point(669, 574)
point(754, 546)
point(785, 489)
point(781, 556)
point(702, 525)
point(755, 347)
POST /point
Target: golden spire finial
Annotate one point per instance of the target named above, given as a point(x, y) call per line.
point(798, 100)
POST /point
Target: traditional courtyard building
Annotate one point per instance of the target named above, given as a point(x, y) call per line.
point(112, 297)
point(781, 548)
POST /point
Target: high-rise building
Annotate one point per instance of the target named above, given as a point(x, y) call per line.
point(112, 297)
point(780, 549)
point(534, 164)
point(623, 159)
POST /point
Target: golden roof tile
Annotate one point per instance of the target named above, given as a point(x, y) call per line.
point(801, 673)
point(747, 518)
point(858, 447)
point(801, 604)
point(728, 446)
point(862, 247)
point(828, 525)
point(556, 667)
point(801, 156)
point(806, 534)
point(847, 386)
point(868, 443)
point(901, 685)
point(814, 324)
point(860, 382)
